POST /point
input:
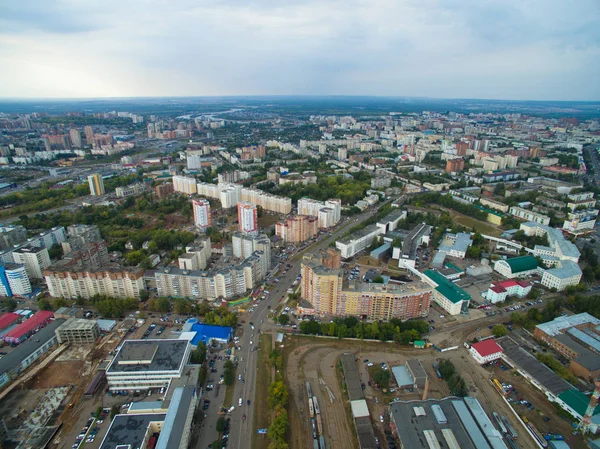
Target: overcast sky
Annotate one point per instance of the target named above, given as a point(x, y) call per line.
point(503, 49)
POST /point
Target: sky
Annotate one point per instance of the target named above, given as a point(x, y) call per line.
point(493, 49)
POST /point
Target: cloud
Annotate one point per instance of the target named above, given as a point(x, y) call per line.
point(514, 49)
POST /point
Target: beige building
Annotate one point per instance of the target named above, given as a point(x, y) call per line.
point(183, 184)
point(297, 229)
point(96, 184)
point(323, 287)
point(115, 283)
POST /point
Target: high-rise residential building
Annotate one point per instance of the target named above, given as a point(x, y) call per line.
point(329, 212)
point(116, 283)
point(246, 244)
point(89, 135)
point(231, 194)
point(184, 184)
point(35, 259)
point(461, 148)
point(201, 213)
point(247, 218)
point(96, 184)
point(323, 288)
point(297, 229)
point(10, 235)
point(75, 138)
point(14, 280)
point(455, 165)
point(164, 190)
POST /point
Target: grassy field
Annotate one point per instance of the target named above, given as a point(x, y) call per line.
point(228, 399)
point(261, 404)
point(481, 226)
point(267, 220)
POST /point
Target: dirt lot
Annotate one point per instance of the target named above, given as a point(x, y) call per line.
point(309, 359)
point(57, 374)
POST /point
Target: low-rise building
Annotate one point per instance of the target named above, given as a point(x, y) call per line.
point(145, 364)
point(485, 351)
point(529, 215)
point(456, 245)
point(16, 361)
point(563, 276)
point(447, 294)
point(517, 266)
point(28, 327)
point(499, 291)
point(357, 241)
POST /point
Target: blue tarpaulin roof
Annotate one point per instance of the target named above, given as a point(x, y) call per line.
point(206, 332)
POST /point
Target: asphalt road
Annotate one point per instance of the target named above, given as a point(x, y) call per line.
point(240, 434)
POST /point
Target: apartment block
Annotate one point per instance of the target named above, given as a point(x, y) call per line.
point(130, 190)
point(14, 280)
point(183, 184)
point(297, 229)
point(113, 282)
point(34, 259)
point(164, 190)
point(328, 212)
point(528, 215)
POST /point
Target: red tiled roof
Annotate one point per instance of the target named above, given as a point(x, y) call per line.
point(498, 289)
point(487, 347)
point(7, 319)
point(523, 284)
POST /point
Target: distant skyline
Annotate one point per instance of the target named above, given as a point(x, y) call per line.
point(495, 49)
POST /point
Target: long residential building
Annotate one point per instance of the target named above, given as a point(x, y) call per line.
point(232, 194)
point(297, 229)
point(116, 283)
point(323, 288)
point(244, 245)
point(183, 184)
point(211, 285)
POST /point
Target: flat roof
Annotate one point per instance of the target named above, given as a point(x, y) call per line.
point(78, 324)
point(587, 339)
point(351, 376)
point(149, 355)
point(532, 366)
point(567, 270)
point(28, 347)
point(176, 418)
point(359, 408)
point(129, 430)
point(410, 427)
point(557, 325)
point(364, 431)
point(418, 372)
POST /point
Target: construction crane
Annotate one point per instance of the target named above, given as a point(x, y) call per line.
point(587, 418)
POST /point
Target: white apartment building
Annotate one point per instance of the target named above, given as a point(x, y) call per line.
point(329, 212)
point(247, 217)
point(244, 245)
point(35, 260)
point(529, 215)
point(14, 280)
point(271, 203)
point(146, 364)
point(110, 282)
point(46, 239)
point(196, 256)
point(201, 209)
point(183, 184)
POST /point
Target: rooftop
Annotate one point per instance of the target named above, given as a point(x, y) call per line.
point(487, 347)
point(206, 332)
point(585, 338)
point(28, 325)
point(129, 431)
point(355, 391)
point(175, 420)
point(447, 288)
point(78, 324)
point(357, 235)
point(567, 270)
point(557, 325)
point(577, 401)
point(523, 263)
point(28, 347)
point(149, 355)
point(532, 366)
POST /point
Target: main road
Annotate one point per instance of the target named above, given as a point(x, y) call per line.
point(240, 433)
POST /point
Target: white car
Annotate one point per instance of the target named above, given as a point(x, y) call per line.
point(380, 418)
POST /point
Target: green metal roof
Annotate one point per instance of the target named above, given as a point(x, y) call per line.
point(447, 288)
point(523, 263)
point(577, 401)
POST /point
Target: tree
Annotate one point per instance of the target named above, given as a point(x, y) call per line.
point(499, 330)
point(114, 410)
point(221, 424)
point(228, 373)
point(378, 280)
point(278, 428)
point(144, 295)
point(44, 304)
point(57, 303)
point(8, 304)
point(98, 412)
point(278, 394)
point(199, 354)
point(588, 274)
point(381, 377)
point(216, 444)
point(55, 251)
point(283, 319)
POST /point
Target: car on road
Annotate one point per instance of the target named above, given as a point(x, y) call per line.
point(380, 418)
point(240, 402)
